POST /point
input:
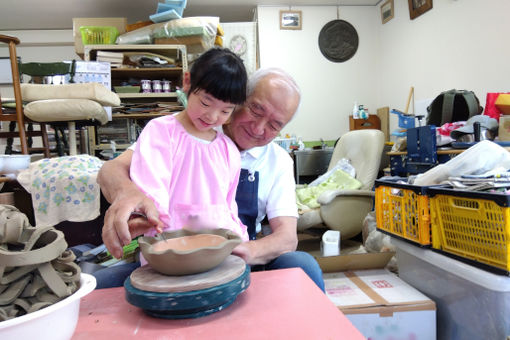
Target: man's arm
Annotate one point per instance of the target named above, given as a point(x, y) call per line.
point(125, 197)
point(282, 240)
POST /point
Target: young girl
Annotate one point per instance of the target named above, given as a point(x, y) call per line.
point(187, 168)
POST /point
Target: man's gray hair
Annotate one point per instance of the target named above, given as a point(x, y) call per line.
point(271, 71)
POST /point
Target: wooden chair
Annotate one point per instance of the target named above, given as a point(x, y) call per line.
point(54, 99)
point(38, 73)
point(17, 118)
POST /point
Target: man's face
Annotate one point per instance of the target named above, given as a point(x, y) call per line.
point(263, 116)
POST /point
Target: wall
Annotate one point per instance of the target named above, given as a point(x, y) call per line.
point(40, 46)
point(328, 89)
point(457, 44)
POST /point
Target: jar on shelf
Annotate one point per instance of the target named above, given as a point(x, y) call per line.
point(146, 86)
point(156, 86)
point(166, 85)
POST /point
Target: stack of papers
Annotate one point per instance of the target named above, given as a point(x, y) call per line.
point(114, 58)
point(480, 182)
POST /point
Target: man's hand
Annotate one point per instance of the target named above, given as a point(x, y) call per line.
point(283, 239)
point(125, 198)
point(245, 251)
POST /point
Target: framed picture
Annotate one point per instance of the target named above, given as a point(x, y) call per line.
point(387, 11)
point(290, 20)
point(418, 7)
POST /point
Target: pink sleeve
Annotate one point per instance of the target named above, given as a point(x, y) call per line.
point(151, 166)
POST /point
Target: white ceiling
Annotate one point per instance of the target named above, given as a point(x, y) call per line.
point(58, 14)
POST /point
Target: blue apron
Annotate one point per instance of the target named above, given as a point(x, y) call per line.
point(247, 200)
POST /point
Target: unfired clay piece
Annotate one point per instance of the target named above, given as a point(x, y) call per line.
point(187, 243)
point(188, 252)
point(36, 270)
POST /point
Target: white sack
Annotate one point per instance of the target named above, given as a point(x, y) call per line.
point(478, 159)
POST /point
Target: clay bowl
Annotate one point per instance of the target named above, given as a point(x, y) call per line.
point(186, 252)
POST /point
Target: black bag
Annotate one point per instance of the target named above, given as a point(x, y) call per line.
point(453, 106)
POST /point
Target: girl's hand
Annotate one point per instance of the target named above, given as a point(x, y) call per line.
point(119, 229)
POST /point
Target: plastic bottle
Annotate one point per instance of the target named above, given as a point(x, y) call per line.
point(301, 145)
point(362, 113)
point(355, 113)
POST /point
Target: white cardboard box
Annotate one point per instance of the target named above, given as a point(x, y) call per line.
point(378, 303)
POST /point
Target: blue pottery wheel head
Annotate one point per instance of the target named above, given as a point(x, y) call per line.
point(189, 304)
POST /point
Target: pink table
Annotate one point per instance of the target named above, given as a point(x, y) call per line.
point(279, 304)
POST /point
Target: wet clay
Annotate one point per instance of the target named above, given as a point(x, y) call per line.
point(187, 243)
point(186, 252)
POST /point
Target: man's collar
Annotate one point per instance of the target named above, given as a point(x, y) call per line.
point(255, 152)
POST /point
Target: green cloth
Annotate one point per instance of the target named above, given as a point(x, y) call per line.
point(177, 32)
point(339, 180)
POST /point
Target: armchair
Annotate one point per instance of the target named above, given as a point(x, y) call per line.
point(344, 210)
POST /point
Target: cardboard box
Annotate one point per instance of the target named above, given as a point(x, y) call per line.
point(194, 43)
point(119, 23)
point(504, 128)
point(378, 303)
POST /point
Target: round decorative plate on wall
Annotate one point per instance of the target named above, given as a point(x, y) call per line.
point(338, 41)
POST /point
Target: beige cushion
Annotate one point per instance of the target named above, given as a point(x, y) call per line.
point(63, 110)
point(92, 91)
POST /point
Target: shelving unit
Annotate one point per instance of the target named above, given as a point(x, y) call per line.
point(173, 73)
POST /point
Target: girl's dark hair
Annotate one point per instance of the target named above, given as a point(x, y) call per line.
point(221, 73)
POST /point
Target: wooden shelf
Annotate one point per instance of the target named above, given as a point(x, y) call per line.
point(138, 115)
point(148, 95)
point(152, 72)
point(171, 51)
point(121, 75)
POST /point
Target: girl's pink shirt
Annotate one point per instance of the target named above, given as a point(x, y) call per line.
point(192, 183)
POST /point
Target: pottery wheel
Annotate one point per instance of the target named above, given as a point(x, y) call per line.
point(147, 279)
point(189, 304)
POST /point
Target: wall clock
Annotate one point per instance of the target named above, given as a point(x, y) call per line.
point(238, 44)
point(241, 37)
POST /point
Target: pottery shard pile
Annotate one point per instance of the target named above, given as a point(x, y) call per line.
point(36, 270)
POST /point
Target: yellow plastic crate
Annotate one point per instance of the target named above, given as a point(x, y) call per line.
point(403, 210)
point(472, 225)
point(98, 35)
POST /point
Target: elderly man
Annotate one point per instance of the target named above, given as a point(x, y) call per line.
point(266, 185)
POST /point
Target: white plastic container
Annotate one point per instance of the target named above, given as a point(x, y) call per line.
point(471, 303)
point(55, 322)
point(330, 244)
